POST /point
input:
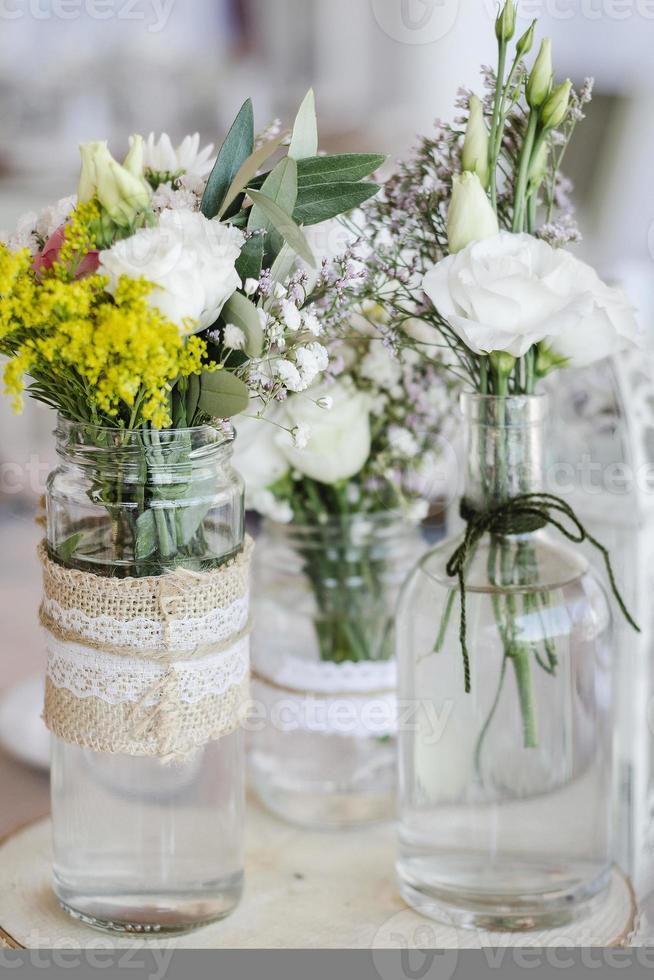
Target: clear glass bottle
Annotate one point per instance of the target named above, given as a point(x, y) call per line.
point(322, 742)
point(505, 791)
point(142, 844)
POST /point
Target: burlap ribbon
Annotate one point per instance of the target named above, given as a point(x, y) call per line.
point(153, 666)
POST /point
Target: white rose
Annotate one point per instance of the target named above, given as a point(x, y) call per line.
point(190, 261)
point(256, 455)
point(338, 445)
point(509, 292)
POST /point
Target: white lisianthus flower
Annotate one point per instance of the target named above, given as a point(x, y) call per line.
point(607, 325)
point(509, 292)
point(258, 458)
point(190, 261)
point(161, 157)
point(338, 445)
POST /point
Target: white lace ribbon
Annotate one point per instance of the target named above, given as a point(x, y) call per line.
point(87, 672)
point(144, 633)
point(356, 699)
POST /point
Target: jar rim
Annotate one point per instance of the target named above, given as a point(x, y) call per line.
point(67, 427)
point(377, 521)
point(517, 410)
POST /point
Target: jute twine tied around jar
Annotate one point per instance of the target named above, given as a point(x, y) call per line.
point(152, 666)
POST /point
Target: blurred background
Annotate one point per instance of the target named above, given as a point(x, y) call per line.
point(383, 70)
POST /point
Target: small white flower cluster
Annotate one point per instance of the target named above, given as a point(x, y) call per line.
point(293, 358)
point(33, 229)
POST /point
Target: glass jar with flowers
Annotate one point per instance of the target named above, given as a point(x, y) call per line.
point(133, 310)
point(343, 477)
point(503, 631)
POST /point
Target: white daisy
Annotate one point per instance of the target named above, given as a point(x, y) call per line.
point(160, 156)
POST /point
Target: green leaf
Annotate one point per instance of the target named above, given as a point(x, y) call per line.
point(320, 202)
point(304, 141)
point(146, 535)
point(281, 268)
point(237, 147)
point(242, 312)
point(249, 262)
point(222, 395)
point(248, 169)
point(285, 225)
point(347, 167)
point(68, 547)
point(280, 187)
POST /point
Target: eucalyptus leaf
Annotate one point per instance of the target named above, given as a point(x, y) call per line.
point(285, 225)
point(242, 312)
point(281, 269)
point(249, 262)
point(146, 535)
point(280, 187)
point(237, 147)
point(320, 202)
point(347, 167)
point(222, 395)
point(304, 141)
point(249, 169)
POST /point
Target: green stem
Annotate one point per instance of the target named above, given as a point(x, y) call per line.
point(496, 124)
point(524, 681)
point(519, 199)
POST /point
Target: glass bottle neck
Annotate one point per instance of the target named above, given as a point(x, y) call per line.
point(504, 447)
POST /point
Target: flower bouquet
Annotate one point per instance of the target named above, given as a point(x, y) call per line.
point(478, 261)
point(136, 311)
point(343, 471)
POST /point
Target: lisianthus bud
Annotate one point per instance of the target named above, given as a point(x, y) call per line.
point(471, 216)
point(524, 44)
point(133, 162)
point(539, 82)
point(475, 144)
point(121, 193)
point(547, 360)
point(86, 187)
point(538, 165)
point(505, 23)
point(555, 108)
point(502, 362)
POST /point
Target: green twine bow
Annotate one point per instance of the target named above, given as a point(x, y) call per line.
point(520, 515)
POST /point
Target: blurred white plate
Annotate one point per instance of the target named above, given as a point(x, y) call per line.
point(22, 732)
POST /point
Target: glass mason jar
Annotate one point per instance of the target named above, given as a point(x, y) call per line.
point(142, 844)
point(505, 792)
point(322, 741)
